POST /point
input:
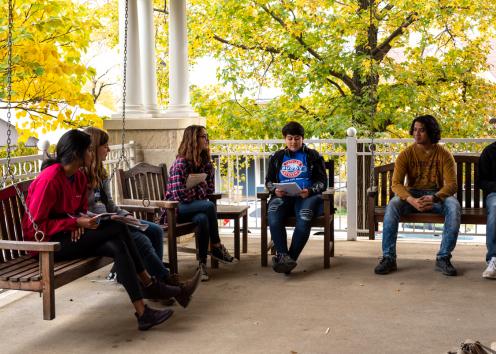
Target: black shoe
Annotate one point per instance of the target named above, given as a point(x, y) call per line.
point(152, 317)
point(159, 290)
point(386, 265)
point(222, 255)
point(283, 263)
point(444, 266)
point(187, 289)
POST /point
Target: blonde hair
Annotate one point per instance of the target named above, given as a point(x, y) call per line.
point(190, 147)
point(95, 172)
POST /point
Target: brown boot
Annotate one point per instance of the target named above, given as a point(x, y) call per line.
point(187, 289)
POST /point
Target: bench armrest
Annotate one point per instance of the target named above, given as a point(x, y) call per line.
point(167, 204)
point(328, 194)
point(372, 191)
point(137, 208)
point(263, 195)
point(214, 196)
point(31, 246)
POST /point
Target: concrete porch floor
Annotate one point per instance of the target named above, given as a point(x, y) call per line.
point(248, 309)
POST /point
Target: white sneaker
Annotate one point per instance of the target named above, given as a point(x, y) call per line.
point(203, 271)
point(490, 272)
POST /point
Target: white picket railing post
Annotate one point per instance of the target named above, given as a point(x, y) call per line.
point(43, 146)
point(351, 184)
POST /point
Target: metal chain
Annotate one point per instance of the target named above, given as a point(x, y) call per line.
point(124, 82)
point(9, 88)
point(38, 234)
point(372, 110)
point(122, 157)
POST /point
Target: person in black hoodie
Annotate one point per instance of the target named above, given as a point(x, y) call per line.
point(298, 164)
point(487, 182)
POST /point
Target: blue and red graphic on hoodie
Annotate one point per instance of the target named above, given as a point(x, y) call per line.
point(294, 169)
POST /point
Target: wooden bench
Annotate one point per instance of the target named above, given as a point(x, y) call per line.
point(326, 221)
point(236, 212)
point(468, 194)
point(19, 270)
point(142, 189)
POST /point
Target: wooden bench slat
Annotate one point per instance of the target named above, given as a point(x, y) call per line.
point(15, 272)
point(57, 267)
point(468, 216)
point(76, 271)
point(14, 262)
point(184, 228)
point(33, 272)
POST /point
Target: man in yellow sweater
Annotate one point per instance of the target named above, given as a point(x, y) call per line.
point(430, 184)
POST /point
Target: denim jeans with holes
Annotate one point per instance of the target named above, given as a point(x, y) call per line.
point(450, 208)
point(304, 210)
point(491, 226)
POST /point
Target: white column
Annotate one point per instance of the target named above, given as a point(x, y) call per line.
point(179, 103)
point(147, 56)
point(134, 103)
point(351, 185)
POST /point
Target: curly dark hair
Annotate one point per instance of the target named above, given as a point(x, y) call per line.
point(431, 126)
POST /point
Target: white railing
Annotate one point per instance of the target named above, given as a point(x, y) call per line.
point(241, 166)
point(26, 167)
point(21, 167)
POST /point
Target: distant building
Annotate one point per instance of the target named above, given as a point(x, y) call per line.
point(4, 126)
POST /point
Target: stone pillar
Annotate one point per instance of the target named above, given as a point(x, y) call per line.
point(179, 103)
point(157, 135)
point(134, 102)
point(147, 57)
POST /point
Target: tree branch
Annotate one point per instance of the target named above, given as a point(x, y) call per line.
point(382, 49)
point(268, 49)
point(343, 77)
point(70, 30)
point(337, 86)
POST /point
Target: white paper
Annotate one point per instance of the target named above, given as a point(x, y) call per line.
point(133, 222)
point(292, 189)
point(102, 215)
point(195, 179)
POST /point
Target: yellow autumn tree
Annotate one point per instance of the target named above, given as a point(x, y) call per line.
point(49, 37)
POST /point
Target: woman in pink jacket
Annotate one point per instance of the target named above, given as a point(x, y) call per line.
point(57, 200)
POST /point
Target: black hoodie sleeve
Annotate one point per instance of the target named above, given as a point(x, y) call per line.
point(272, 172)
point(319, 176)
point(487, 175)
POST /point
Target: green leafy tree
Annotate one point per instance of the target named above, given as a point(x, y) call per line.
point(365, 63)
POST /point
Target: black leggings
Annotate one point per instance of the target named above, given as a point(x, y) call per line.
point(111, 239)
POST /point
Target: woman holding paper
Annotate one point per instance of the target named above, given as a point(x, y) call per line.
point(57, 201)
point(149, 241)
point(191, 180)
point(296, 178)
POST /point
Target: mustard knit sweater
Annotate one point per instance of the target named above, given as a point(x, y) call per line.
point(433, 170)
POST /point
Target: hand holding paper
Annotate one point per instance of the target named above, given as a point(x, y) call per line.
point(195, 179)
point(292, 189)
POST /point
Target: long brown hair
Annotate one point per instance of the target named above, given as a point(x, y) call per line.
point(95, 172)
point(190, 147)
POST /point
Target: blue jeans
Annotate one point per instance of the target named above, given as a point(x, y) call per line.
point(491, 226)
point(304, 210)
point(150, 245)
point(450, 208)
point(203, 214)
